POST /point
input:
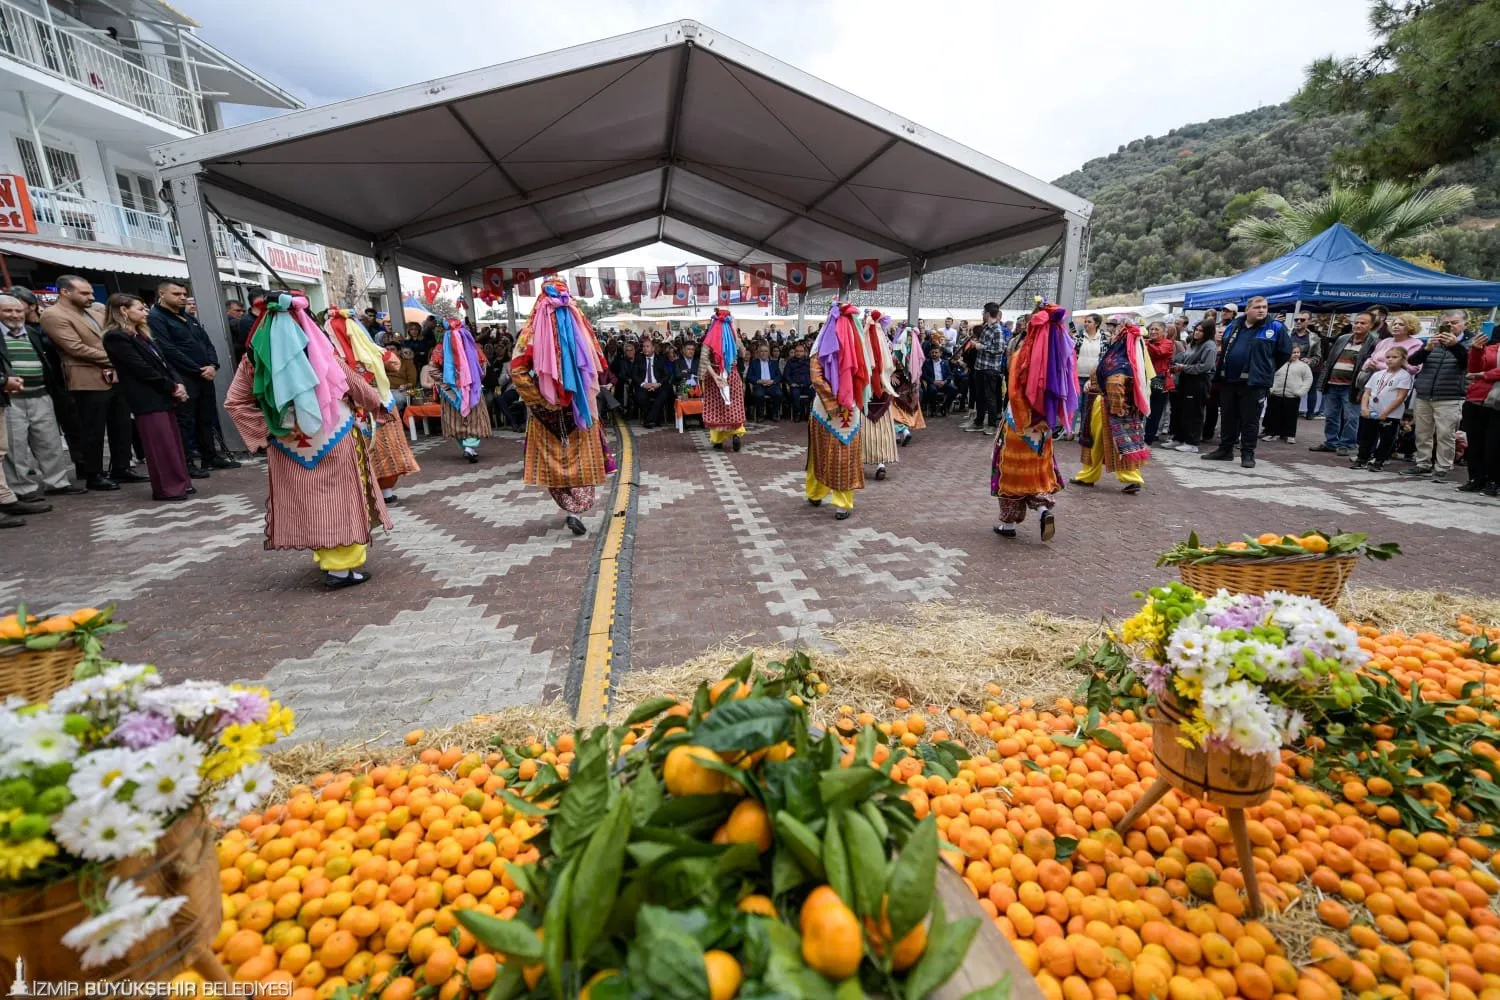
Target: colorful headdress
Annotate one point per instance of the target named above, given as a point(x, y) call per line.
point(843, 353)
point(565, 353)
point(722, 348)
point(1127, 355)
point(353, 344)
point(462, 382)
point(298, 381)
point(881, 360)
point(1051, 383)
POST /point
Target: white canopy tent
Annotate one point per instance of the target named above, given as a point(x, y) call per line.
point(676, 134)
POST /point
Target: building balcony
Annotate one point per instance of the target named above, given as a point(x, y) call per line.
point(63, 49)
point(69, 218)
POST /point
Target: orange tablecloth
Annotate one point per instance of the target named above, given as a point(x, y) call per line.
point(687, 408)
point(421, 411)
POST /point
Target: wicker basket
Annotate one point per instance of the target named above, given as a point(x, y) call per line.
point(33, 921)
point(1224, 777)
point(1319, 576)
point(37, 674)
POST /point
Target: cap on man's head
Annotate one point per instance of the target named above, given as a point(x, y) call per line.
point(1229, 307)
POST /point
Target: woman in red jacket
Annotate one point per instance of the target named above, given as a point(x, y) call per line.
point(1161, 348)
point(1481, 424)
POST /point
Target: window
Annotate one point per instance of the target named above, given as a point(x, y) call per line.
point(61, 164)
point(137, 192)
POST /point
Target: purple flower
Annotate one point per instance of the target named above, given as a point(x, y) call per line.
point(139, 730)
point(1157, 676)
point(249, 706)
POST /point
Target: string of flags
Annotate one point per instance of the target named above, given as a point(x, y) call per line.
point(684, 284)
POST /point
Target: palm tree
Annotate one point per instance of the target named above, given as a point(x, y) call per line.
point(1391, 216)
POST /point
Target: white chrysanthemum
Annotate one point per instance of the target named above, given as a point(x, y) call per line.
point(188, 701)
point(128, 917)
point(119, 684)
point(247, 789)
point(169, 781)
point(99, 775)
point(105, 830)
point(35, 738)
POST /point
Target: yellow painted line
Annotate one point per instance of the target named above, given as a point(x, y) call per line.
point(593, 689)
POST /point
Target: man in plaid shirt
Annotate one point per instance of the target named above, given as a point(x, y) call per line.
point(989, 371)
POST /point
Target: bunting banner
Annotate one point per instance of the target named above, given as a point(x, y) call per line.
point(729, 276)
point(584, 286)
point(867, 273)
point(668, 278)
point(698, 275)
point(796, 276)
point(760, 275)
point(723, 294)
point(832, 272)
point(763, 294)
point(635, 282)
point(494, 281)
point(607, 284)
point(521, 277)
point(431, 286)
point(783, 297)
point(680, 295)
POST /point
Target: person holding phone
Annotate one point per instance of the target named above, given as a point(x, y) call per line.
point(1481, 421)
point(1437, 397)
point(1380, 410)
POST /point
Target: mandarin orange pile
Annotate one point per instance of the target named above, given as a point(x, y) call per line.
point(355, 880)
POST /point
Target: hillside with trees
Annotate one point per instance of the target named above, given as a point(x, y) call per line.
point(1164, 204)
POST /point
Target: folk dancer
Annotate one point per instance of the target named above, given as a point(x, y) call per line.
point(878, 439)
point(1042, 395)
point(457, 376)
point(293, 399)
point(389, 453)
point(723, 389)
point(906, 380)
point(556, 369)
point(840, 377)
point(1115, 406)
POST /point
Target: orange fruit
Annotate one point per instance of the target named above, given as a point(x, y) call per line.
point(684, 775)
point(832, 942)
point(747, 824)
point(724, 974)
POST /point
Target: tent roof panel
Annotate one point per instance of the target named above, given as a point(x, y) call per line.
point(566, 153)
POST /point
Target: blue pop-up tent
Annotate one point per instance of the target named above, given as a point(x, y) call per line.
point(1337, 271)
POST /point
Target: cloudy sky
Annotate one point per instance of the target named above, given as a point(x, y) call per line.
point(1041, 86)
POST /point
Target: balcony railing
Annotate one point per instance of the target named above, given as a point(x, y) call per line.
point(68, 217)
point(63, 52)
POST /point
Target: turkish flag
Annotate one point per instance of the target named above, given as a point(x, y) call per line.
point(833, 273)
point(698, 275)
point(782, 296)
point(431, 286)
point(585, 286)
point(679, 295)
point(763, 294)
point(494, 280)
point(796, 276)
point(760, 275)
point(635, 282)
point(522, 278)
point(607, 284)
point(867, 273)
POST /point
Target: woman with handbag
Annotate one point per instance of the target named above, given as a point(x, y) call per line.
point(152, 392)
point(1481, 417)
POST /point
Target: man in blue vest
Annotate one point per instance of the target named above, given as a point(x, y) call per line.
point(1254, 347)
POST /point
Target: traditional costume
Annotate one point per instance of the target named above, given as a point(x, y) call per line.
point(840, 378)
point(555, 370)
point(292, 397)
point(723, 389)
point(457, 377)
point(1043, 395)
point(390, 455)
point(1115, 408)
point(906, 380)
point(878, 439)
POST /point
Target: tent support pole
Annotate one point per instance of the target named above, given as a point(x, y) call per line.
point(190, 209)
point(471, 314)
point(390, 272)
point(801, 311)
point(1067, 268)
point(510, 311)
point(914, 294)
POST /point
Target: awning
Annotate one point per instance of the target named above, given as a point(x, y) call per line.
point(88, 259)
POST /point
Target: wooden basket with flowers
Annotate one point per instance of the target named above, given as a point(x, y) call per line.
point(1313, 564)
point(107, 792)
point(38, 656)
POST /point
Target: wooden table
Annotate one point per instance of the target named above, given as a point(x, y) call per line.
point(424, 411)
point(688, 408)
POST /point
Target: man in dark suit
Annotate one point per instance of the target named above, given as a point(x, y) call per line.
point(623, 369)
point(797, 377)
point(938, 389)
point(685, 368)
point(763, 380)
point(188, 352)
point(653, 381)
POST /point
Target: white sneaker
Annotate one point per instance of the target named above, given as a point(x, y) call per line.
point(1190, 448)
point(1290, 440)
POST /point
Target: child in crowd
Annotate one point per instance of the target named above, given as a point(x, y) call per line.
point(1291, 382)
point(1380, 410)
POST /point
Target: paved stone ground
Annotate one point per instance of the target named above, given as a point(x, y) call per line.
point(476, 592)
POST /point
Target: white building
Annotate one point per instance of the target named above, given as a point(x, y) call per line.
point(86, 88)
